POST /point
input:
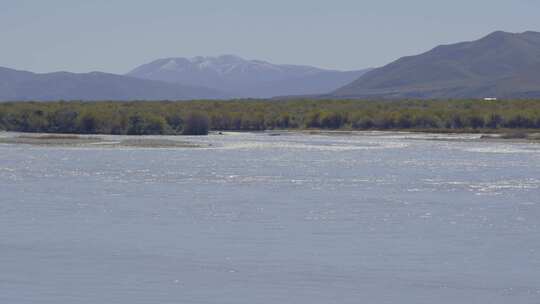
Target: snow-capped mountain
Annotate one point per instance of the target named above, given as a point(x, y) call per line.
point(245, 78)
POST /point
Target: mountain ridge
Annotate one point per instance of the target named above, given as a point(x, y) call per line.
point(245, 78)
point(17, 85)
point(472, 69)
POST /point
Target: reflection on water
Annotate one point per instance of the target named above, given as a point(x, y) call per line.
point(379, 218)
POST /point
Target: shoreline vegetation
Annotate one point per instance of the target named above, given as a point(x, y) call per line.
point(502, 119)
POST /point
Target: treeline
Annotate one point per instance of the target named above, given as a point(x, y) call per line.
point(197, 117)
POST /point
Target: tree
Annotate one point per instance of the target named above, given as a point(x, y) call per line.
point(88, 124)
point(196, 124)
point(331, 120)
point(175, 121)
point(476, 122)
point(494, 121)
point(63, 120)
point(312, 119)
point(146, 124)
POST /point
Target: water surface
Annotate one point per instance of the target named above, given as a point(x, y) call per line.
point(376, 218)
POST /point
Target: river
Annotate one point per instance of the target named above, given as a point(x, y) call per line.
point(348, 218)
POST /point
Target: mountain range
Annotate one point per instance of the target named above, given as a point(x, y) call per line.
point(245, 78)
point(503, 65)
point(20, 85)
point(220, 77)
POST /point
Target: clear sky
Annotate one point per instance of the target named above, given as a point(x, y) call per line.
point(117, 35)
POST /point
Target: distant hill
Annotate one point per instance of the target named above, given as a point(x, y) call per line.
point(503, 65)
point(245, 78)
point(20, 85)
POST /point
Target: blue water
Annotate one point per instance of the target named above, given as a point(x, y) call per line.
point(372, 218)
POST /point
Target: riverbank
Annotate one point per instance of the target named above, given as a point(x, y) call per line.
point(489, 135)
point(168, 141)
point(70, 140)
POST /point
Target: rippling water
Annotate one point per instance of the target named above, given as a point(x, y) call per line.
point(377, 218)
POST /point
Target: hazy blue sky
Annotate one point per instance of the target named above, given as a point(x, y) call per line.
point(117, 35)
